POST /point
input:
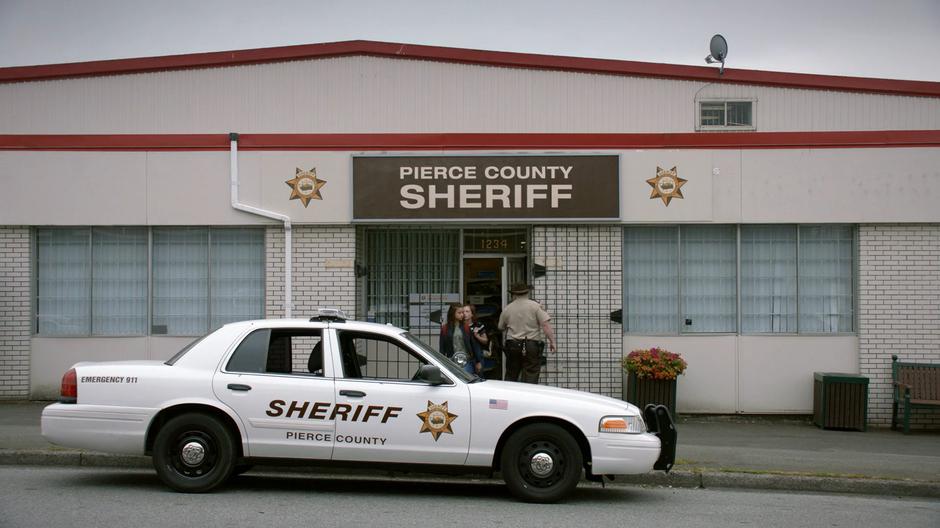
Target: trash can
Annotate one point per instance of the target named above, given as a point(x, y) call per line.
point(840, 401)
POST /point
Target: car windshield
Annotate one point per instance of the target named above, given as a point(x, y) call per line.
point(452, 368)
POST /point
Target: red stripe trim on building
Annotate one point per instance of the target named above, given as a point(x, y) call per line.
point(113, 142)
point(467, 56)
point(457, 141)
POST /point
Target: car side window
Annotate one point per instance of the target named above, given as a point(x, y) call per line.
point(369, 356)
point(295, 351)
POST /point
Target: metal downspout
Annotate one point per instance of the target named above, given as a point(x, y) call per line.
point(233, 157)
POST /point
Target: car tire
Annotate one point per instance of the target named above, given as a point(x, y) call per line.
point(541, 463)
point(194, 453)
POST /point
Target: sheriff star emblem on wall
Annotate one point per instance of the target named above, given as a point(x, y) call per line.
point(305, 186)
point(666, 185)
point(436, 420)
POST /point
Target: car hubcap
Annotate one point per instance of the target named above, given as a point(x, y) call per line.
point(193, 454)
point(542, 464)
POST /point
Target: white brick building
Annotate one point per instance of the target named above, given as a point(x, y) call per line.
point(899, 289)
point(765, 225)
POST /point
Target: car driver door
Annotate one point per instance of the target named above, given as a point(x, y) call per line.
point(392, 416)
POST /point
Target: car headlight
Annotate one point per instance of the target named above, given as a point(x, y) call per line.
point(622, 424)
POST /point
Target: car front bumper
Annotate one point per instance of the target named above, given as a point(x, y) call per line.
point(659, 422)
point(632, 454)
point(623, 454)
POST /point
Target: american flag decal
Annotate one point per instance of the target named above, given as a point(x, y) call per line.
point(499, 404)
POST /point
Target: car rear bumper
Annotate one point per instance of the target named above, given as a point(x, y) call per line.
point(98, 427)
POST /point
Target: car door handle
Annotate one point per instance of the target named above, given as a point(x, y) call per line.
point(239, 387)
point(352, 393)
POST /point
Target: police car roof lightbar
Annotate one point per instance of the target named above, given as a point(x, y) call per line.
point(329, 314)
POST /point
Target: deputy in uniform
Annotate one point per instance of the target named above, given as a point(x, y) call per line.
point(523, 323)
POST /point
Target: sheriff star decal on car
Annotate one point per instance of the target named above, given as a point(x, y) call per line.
point(436, 420)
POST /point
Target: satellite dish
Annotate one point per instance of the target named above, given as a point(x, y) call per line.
point(719, 49)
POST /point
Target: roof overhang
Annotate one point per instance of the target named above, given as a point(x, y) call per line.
point(466, 56)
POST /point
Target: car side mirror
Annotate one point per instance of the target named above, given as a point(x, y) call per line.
point(430, 374)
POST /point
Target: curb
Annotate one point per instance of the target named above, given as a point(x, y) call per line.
point(785, 482)
point(674, 479)
point(864, 486)
point(45, 457)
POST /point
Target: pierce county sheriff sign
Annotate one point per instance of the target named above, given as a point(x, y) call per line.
point(411, 188)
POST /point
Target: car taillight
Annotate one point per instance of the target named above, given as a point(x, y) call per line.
point(69, 392)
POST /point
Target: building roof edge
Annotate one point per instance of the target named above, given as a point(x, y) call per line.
point(467, 56)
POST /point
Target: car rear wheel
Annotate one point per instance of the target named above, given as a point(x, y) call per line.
point(194, 453)
point(541, 463)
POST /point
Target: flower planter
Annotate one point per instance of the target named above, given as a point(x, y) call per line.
point(642, 391)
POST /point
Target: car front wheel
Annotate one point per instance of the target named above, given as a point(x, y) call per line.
point(541, 463)
point(194, 453)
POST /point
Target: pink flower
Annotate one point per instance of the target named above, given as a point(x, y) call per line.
point(655, 363)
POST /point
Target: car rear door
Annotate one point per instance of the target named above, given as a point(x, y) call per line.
point(280, 383)
point(390, 416)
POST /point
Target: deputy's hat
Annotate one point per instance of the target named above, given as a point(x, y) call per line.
point(520, 288)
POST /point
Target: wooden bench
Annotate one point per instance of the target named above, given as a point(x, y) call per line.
point(915, 385)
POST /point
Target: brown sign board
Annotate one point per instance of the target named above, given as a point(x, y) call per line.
point(409, 188)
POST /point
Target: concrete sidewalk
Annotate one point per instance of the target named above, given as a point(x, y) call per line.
point(737, 452)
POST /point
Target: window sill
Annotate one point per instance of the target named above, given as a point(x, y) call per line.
point(709, 128)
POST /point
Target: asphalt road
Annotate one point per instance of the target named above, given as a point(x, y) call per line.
point(43, 497)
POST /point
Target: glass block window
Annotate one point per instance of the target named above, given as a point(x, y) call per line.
point(131, 281)
point(180, 281)
point(826, 278)
point(63, 292)
point(91, 281)
point(709, 278)
point(651, 279)
point(793, 279)
point(236, 275)
point(768, 278)
point(119, 280)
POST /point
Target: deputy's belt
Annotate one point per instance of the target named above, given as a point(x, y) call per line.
point(523, 341)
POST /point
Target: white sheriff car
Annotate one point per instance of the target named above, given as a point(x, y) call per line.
point(343, 392)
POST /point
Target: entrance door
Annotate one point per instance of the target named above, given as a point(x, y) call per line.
point(486, 281)
point(483, 286)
